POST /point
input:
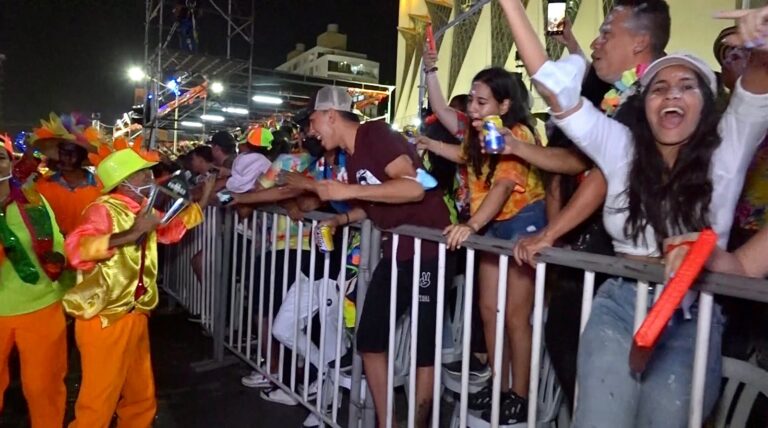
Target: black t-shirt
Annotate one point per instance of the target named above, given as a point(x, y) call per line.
point(376, 146)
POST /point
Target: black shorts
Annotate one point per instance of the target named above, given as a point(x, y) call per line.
point(373, 331)
point(280, 274)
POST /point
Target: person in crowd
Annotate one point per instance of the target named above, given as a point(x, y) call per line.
point(732, 59)
point(451, 178)
point(743, 331)
point(267, 191)
point(201, 161)
point(752, 209)
point(71, 187)
point(506, 202)
point(252, 161)
point(672, 166)
point(383, 183)
point(115, 247)
point(632, 35)
point(31, 288)
point(224, 151)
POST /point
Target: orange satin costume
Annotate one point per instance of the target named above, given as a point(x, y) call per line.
point(67, 202)
point(111, 323)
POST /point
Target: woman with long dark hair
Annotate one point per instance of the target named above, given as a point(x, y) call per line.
point(673, 165)
point(506, 202)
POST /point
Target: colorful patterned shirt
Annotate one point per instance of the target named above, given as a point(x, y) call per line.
point(751, 211)
point(528, 185)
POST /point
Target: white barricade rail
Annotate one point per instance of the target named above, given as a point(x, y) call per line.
point(250, 286)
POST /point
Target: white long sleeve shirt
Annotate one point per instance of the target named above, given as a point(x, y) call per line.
point(246, 169)
point(610, 145)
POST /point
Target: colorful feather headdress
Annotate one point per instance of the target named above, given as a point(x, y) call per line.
point(7, 143)
point(105, 149)
point(71, 128)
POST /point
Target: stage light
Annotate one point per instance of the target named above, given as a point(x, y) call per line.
point(266, 99)
point(212, 118)
point(217, 87)
point(173, 86)
point(189, 124)
point(136, 74)
point(235, 110)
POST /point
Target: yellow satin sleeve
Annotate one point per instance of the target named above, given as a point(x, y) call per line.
point(95, 248)
point(191, 216)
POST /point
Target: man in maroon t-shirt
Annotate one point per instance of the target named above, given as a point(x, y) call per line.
point(382, 182)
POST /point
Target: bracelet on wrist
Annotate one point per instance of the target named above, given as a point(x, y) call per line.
point(670, 247)
point(346, 215)
point(430, 70)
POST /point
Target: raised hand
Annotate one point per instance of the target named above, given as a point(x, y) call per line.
point(752, 28)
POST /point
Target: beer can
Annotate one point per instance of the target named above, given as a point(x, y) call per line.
point(492, 138)
point(324, 238)
point(411, 133)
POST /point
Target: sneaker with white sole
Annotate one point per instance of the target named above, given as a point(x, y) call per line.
point(277, 395)
point(313, 420)
point(255, 380)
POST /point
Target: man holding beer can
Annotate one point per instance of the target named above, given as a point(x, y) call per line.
point(383, 184)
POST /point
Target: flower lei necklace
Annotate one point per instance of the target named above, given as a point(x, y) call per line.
point(627, 86)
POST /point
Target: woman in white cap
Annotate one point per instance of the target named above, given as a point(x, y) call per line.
point(673, 166)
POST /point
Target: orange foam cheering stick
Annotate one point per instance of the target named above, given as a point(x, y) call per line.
point(430, 38)
point(653, 326)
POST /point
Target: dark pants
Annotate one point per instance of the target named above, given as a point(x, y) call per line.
point(561, 331)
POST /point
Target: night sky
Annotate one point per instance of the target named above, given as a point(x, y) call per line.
point(72, 55)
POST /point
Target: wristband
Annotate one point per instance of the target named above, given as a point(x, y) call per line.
point(430, 70)
point(670, 247)
point(347, 216)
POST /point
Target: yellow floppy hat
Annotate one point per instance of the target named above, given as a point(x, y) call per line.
point(118, 166)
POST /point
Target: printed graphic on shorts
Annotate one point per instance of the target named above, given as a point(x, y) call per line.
point(426, 280)
point(365, 177)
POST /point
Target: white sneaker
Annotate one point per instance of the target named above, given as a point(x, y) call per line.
point(255, 380)
point(312, 421)
point(277, 395)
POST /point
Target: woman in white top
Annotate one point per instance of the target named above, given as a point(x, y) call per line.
point(673, 166)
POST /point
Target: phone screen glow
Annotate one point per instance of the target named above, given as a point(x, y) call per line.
point(555, 17)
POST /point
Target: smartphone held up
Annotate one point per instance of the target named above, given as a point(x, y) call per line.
point(556, 17)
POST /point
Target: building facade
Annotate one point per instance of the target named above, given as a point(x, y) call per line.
point(331, 59)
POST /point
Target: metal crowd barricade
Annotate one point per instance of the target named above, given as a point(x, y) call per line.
point(238, 296)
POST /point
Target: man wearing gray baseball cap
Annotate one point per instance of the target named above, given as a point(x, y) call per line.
point(384, 186)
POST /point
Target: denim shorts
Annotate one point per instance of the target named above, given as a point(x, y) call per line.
point(528, 221)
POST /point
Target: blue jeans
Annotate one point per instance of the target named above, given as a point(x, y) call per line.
point(528, 221)
point(610, 395)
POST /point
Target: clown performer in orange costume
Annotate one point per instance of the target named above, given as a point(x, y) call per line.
point(31, 288)
point(119, 287)
point(70, 187)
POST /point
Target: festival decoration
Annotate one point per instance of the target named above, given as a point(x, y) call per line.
point(117, 160)
point(71, 128)
point(39, 224)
